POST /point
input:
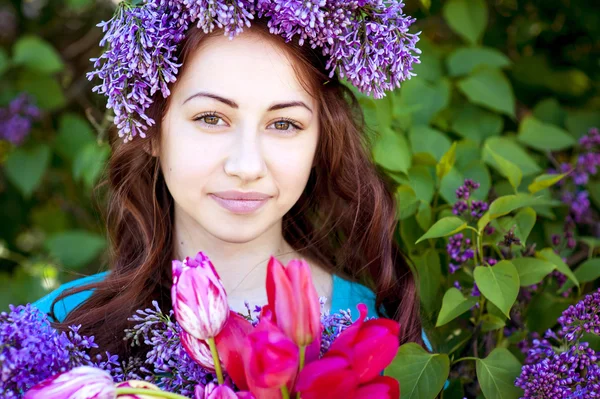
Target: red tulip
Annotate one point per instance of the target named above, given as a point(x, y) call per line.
point(370, 346)
point(271, 358)
point(329, 377)
point(199, 298)
point(198, 350)
point(294, 300)
point(231, 343)
point(379, 388)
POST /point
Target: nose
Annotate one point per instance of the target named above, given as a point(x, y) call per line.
point(246, 159)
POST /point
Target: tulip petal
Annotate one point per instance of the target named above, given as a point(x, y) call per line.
point(79, 383)
point(379, 388)
point(230, 344)
point(329, 377)
point(198, 350)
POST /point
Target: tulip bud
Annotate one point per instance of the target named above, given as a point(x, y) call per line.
point(198, 350)
point(139, 385)
point(213, 391)
point(294, 300)
point(199, 298)
point(79, 383)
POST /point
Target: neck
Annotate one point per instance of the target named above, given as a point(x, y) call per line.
point(242, 266)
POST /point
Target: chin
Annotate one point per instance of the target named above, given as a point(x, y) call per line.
point(239, 232)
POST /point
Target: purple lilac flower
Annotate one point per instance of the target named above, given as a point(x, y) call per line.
point(139, 60)
point(581, 317)
point(464, 206)
point(579, 204)
point(459, 250)
point(31, 350)
point(231, 16)
point(16, 120)
point(563, 375)
point(475, 291)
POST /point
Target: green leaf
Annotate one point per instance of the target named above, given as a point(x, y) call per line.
point(429, 140)
point(422, 183)
point(444, 227)
point(45, 89)
point(446, 162)
point(430, 278)
point(74, 133)
point(549, 255)
point(465, 59)
point(424, 216)
point(90, 162)
point(499, 284)
point(525, 220)
point(579, 121)
point(532, 270)
point(475, 123)
point(543, 136)
point(392, 151)
point(407, 202)
point(512, 152)
point(468, 18)
point(506, 168)
point(544, 181)
point(25, 167)
point(491, 89)
point(549, 111)
point(421, 374)
point(489, 322)
point(453, 305)
point(75, 248)
point(586, 272)
point(78, 5)
point(508, 203)
point(424, 99)
point(37, 55)
point(543, 310)
point(497, 374)
point(4, 61)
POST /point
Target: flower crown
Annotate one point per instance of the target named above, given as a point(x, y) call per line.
point(366, 41)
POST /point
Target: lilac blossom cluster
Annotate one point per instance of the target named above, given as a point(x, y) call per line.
point(574, 373)
point(459, 250)
point(31, 350)
point(366, 41)
point(16, 120)
point(464, 206)
point(554, 372)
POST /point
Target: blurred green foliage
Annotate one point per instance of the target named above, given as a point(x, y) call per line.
point(504, 91)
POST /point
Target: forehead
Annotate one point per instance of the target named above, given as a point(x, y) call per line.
point(250, 69)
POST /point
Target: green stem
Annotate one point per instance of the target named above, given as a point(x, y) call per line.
point(302, 356)
point(215, 355)
point(285, 394)
point(149, 392)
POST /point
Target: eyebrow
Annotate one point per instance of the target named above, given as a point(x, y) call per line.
point(234, 105)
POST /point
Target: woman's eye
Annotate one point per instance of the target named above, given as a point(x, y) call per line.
point(209, 119)
point(284, 126)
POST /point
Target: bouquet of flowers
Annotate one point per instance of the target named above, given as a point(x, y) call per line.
point(288, 348)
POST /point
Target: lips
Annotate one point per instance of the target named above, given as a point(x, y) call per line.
point(242, 196)
point(241, 206)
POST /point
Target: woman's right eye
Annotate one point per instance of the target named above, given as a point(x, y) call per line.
point(209, 119)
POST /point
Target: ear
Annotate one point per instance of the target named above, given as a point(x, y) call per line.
point(150, 147)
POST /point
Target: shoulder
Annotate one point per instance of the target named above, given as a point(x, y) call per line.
point(66, 305)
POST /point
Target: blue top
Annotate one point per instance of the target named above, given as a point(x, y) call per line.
point(345, 295)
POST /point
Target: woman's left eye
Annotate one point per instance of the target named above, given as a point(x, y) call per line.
point(286, 123)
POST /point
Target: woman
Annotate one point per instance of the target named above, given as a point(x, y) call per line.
point(256, 118)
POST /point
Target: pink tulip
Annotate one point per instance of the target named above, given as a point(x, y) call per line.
point(213, 391)
point(79, 383)
point(137, 384)
point(379, 388)
point(271, 358)
point(328, 377)
point(370, 346)
point(198, 350)
point(293, 298)
point(199, 298)
point(231, 343)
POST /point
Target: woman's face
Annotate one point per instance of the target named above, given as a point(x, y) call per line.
point(238, 120)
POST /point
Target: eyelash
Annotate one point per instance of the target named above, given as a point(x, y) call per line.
point(214, 114)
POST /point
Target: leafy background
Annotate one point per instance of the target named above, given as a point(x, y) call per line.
point(504, 92)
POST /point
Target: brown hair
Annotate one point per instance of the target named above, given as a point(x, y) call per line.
point(345, 219)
